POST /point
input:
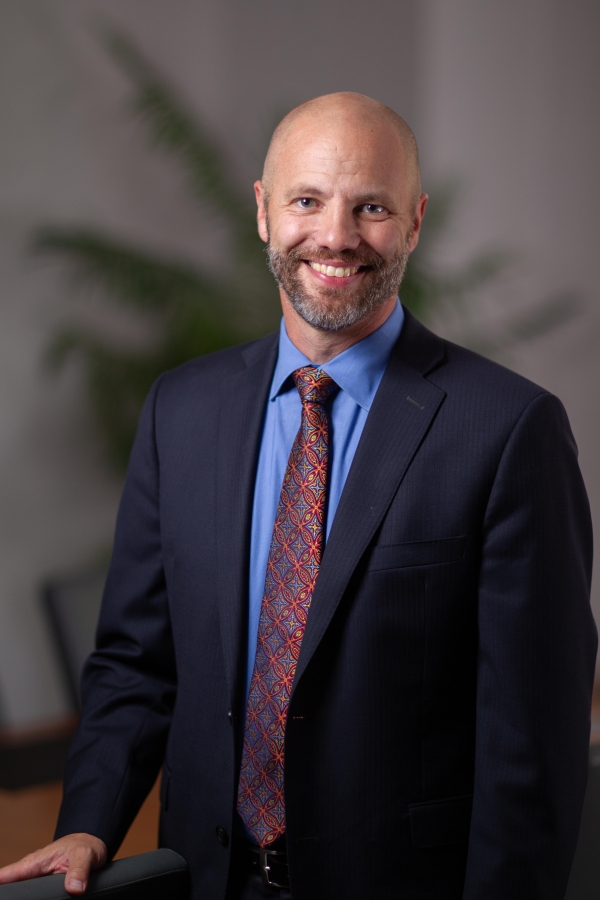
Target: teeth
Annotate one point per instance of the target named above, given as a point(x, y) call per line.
point(338, 272)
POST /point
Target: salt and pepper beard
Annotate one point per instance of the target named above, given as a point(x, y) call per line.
point(380, 283)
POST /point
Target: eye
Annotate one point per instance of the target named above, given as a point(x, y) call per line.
point(305, 203)
point(373, 209)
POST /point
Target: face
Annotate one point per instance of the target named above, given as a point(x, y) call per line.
point(340, 220)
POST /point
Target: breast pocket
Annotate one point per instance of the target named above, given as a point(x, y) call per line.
point(417, 553)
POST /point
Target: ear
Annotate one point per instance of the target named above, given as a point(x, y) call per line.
point(261, 213)
point(416, 222)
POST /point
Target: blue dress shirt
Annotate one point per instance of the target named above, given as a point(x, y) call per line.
point(358, 372)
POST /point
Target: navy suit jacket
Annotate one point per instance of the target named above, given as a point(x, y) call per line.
point(436, 744)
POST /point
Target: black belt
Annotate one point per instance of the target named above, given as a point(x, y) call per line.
point(271, 865)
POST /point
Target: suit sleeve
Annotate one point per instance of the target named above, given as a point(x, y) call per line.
point(537, 647)
point(129, 682)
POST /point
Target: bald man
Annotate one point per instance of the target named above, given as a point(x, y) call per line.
point(348, 606)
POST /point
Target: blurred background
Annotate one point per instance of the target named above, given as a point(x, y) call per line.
point(131, 133)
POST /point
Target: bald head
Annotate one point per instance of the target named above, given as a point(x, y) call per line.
point(350, 110)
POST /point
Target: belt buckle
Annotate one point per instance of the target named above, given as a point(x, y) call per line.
point(265, 868)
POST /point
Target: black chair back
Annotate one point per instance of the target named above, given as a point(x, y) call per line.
point(149, 876)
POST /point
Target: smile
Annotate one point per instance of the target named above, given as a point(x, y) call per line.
point(335, 271)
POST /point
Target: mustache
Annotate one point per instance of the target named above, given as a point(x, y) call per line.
point(350, 257)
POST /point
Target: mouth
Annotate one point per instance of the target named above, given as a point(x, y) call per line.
point(335, 272)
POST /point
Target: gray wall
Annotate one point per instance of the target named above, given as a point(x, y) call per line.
point(504, 95)
point(508, 99)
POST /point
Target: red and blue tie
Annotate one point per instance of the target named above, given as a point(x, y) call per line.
point(292, 569)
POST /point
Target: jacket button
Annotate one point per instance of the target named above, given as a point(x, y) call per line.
point(222, 836)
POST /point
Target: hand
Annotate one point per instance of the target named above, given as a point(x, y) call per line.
point(75, 854)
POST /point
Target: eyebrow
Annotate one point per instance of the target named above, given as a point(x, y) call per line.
point(303, 190)
point(378, 197)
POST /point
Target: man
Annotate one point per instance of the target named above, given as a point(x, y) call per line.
point(348, 607)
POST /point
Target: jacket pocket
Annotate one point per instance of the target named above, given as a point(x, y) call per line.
point(165, 785)
point(417, 553)
point(440, 822)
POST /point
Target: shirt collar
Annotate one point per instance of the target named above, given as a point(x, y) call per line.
point(358, 370)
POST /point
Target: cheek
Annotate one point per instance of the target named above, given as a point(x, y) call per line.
point(384, 238)
point(288, 232)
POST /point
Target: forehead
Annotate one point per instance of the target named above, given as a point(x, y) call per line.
point(345, 153)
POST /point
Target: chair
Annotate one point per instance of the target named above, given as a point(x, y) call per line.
point(160, 875)
point(584, 883)
point(72, 606)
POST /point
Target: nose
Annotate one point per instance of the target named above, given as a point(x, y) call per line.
point(337, 228)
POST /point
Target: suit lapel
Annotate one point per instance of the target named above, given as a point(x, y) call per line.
point(243, 401)
point(403, 409)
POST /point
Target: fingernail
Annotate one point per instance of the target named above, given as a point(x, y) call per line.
point(75, 885)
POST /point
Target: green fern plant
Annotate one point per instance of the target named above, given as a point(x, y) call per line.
point(191, 312)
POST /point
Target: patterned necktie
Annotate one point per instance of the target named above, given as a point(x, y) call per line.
point(292, 569)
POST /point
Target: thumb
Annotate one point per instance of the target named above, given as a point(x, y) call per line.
point(78, 873)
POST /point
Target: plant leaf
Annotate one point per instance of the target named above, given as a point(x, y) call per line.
point(176, 130)
point(133, 276)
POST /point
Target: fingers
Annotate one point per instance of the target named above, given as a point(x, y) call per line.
point(42, 862)
point(75, 854)
point(26, 868)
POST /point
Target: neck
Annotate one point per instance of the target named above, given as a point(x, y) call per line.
point(320, 346)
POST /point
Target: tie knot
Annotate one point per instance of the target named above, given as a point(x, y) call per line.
point(314, 385)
